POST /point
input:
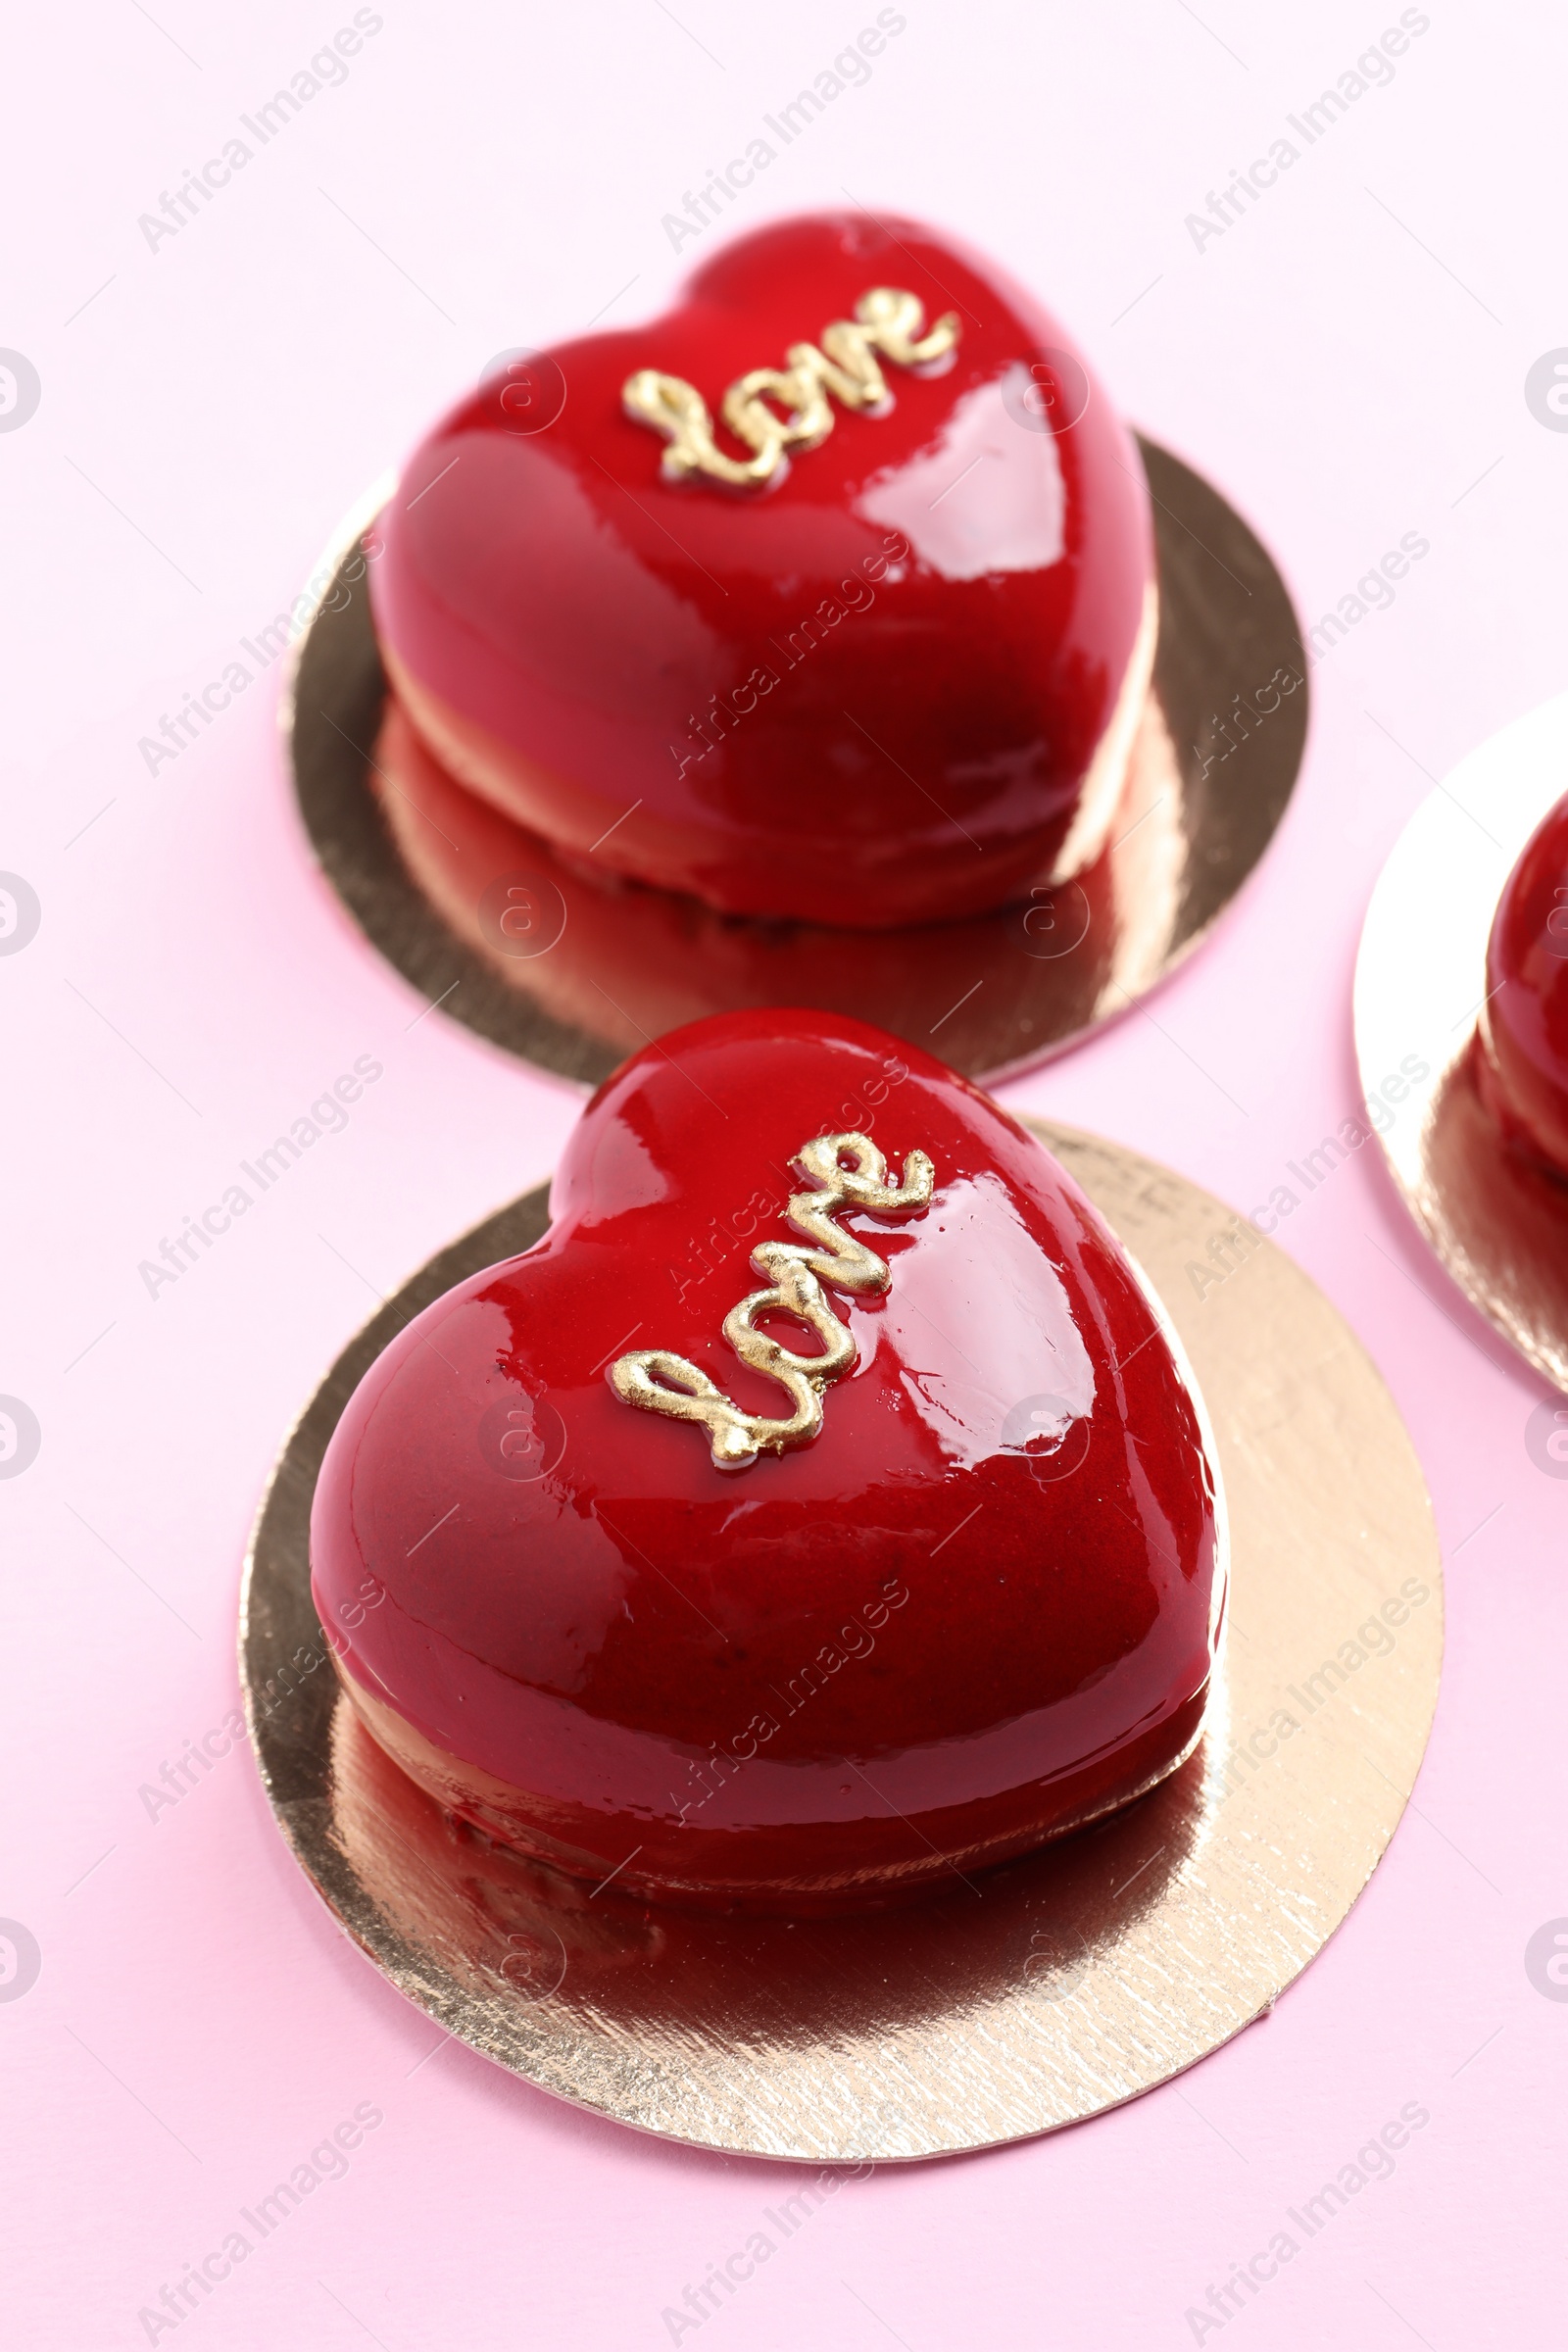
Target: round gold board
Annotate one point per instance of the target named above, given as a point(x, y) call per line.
point(435, 878)
point(1048, 1990)
point(1498, 1225)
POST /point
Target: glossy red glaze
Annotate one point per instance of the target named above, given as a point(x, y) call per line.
point(978, 1609)
point(592, 646)
point(1523, 1062)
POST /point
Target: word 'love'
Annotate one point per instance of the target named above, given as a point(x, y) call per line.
point(886, 319)
point(849, 1172)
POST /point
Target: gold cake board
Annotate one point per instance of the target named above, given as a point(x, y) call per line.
point(1052, 1988)
point(1498, 1224)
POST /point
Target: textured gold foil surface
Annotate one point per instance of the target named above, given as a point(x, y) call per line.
point(1052, 1988)
point(1215, 746)
point(1498, 1225)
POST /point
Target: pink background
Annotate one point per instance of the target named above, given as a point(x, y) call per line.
point(1347, 362)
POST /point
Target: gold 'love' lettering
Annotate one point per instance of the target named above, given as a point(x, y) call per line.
point(886, 319)
point(847, 1172)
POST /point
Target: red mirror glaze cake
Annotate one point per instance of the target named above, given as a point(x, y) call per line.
point(828, 596)
point(820, 1508)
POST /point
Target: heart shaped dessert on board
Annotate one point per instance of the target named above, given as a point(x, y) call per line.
point(829, 595)
point(821, 1507)
point(1522, 1034)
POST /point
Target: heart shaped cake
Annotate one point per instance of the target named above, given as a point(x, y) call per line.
point(828, 596)
point(821, 1507)
point(1522, 1034)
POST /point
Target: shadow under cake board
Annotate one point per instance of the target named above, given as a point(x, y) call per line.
point(1044, 1991)
point(1207, 788)
point(1498, 1224)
